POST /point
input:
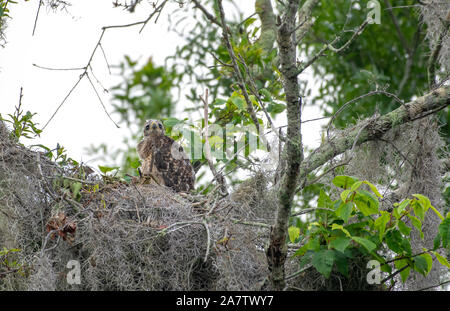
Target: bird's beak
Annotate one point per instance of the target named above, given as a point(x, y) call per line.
point(154, 125)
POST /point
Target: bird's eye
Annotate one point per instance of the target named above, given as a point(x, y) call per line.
point(160, 126)
point(147, 127)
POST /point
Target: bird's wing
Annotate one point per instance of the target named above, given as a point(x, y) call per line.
point(177, 173)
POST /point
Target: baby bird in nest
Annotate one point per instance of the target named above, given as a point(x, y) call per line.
point(164, 160)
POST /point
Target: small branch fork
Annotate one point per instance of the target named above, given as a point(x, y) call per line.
point(330, 47)
point(157, 11)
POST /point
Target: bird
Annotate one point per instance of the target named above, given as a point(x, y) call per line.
point(163, 159)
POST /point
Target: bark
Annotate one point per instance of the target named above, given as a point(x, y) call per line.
point(268, 27)
point(293, 150)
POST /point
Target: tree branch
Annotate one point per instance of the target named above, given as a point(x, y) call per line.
point(268, 24)
point(330, 47)
point(293, 150)
point(208, 15)
point(376, 128)
point(237, 71)
point(434, 56)
point(88, 65)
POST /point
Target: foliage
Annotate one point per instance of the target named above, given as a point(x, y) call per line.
point(147, 91)
point(22, 124)
point(354, 225)
point(9, 264)
point(377, 61)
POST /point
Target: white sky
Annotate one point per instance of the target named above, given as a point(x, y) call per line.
point(66, 40)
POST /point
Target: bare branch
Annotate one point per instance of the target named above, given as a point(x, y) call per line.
point(64, 100)
point(430, 287)
point(100, 99)
point(58, 69)
point(37, 15)
point(330, 47)
point(434, 55)
point(208, 15)
point(397, 27)
point(310, 210)
point(88, 65)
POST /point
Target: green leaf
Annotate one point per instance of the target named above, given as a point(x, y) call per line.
point(418, 209)
point(406, 246)
point(171, 122)
point(341, 263)
point(393, 240)
point(386, 268)
point(249, 21)
point(437, 212)
point(366, 203)
point(294, 233)
point(369, 245)
point(356, 185)
point(301, 251)
point(400, 208)
point(444, 231)
point(75, 187)
point(441, 259)
point(400, 264)
point(344, 182)
point(106, 169)
point(423, 200)
point(381, 222)
point(239, 102)
point(344, 211)
point(344, 195)
point(306, 259)
point(135, 163)
point(340, 243)
point(437, 241)
point(313, 244)
point(373, 188)
point(404, 229)
point(417, 224)
point(335, 226)
point(275, 108)
point(423, 264)
point(323, 261)
point(324, 200)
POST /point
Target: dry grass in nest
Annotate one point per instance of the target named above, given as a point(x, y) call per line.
point(125, 236)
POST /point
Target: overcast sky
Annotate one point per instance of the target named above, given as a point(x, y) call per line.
point(65, 39)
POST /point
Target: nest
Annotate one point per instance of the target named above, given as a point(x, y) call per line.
point(125, 236)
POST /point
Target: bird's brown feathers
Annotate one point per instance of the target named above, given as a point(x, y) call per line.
point(169, 168)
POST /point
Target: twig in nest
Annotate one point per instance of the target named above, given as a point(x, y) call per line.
point(208, 239)
point(250, 223)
